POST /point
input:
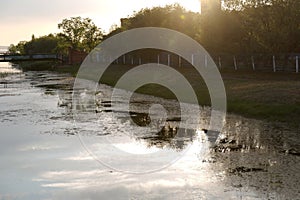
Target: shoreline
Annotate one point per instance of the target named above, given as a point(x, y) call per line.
point(257, 95)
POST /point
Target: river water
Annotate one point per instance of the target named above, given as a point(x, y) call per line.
point(49, 151)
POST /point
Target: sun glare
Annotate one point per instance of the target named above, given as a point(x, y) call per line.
point(126, 10)
point(192, 5)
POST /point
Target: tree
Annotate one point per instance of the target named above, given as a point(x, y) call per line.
point(17, 49)
point(45, 44)
point(221, 33)
point(273, 25)
point(171, 16)
point(80, 33)
point(12, 49)
point(242, 4)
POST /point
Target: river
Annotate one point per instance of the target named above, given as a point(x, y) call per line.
point(49, 152)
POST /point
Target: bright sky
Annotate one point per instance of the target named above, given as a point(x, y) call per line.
point(19, 19)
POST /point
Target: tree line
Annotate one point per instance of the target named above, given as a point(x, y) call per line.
point(241, 27)
point(77, 33)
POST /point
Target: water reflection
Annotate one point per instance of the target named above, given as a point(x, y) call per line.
point(8, 68)
point(250, 159)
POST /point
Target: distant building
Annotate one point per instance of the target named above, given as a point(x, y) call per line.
point(208, 6)
point(76, 57)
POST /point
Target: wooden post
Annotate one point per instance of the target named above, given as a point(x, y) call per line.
point(274, 64)
point(297, 64)
point(140, 61)
point(124, 59)
point(169, 60)
point(220, 62)
point(179, 61)
point(158, 59)
point(132, 61)
point(234, 62)
point(253, 64)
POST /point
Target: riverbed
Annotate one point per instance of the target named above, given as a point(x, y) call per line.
point(50, 150)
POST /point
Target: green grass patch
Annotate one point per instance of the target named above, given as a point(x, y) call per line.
point(36, 65)
point(271, 112)
point(49, 66)
point(269, 96)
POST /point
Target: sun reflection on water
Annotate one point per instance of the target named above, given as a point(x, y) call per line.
point(8, 68)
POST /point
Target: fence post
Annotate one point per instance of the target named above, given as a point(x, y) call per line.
point(169, 60)
point(132, 61)
point(124, 60)
point(274, 64)
point(234, 62)
point(220, 63)
point(253, 63)
point(297, 64)
point(192, 59)
point(179, 61)
point(97, 57)
point(158, 59)
point(140, 61)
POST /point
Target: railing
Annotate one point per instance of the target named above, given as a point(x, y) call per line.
point(11, 58)
point(260, 62)
point(256, 62)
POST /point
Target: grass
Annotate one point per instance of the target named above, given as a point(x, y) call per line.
point(49, 66)
point(270, 96)
point(261, 95)
point(114, 73)
point(36, 65)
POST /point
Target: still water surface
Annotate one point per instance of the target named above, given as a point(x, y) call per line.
point(47, 153)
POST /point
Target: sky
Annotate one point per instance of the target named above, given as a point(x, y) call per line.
point(19, 19)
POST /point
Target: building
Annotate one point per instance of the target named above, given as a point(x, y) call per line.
point(76, 57)
point(208, 6)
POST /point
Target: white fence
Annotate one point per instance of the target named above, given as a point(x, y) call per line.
point(255, 62)
point(274, 63)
